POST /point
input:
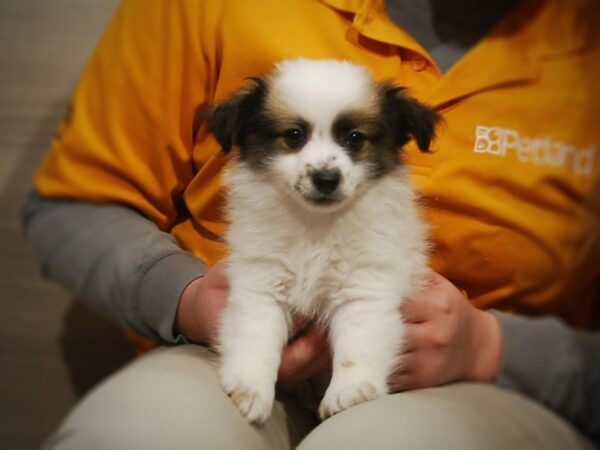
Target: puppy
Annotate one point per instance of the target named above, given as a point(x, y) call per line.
point(323, 225)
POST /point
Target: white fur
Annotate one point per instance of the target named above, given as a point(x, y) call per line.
point(334, 86)
point(348, 267)
point(320, 90)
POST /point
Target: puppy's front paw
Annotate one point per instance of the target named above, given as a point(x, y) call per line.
point(250, 382)
point(253, 398)
point(253, 404)
point(339, 398)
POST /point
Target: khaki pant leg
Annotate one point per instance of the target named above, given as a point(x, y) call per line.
point(171, 398)
point(464, 416)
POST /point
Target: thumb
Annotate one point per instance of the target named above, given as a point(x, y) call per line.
point(301, 352)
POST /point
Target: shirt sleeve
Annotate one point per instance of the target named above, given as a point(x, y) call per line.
point(555, 365)
point(111, 187)
point(114, 260)
point(127, 137)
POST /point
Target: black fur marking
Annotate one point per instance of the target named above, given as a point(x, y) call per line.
point(386, 129)
point(378, 150)
point(407, 118)
point(266, 137)
point(230, 120)
point(244, 122)
point(365, 124)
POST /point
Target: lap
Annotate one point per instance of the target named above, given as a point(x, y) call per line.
point(459, 416)
point(171, 398)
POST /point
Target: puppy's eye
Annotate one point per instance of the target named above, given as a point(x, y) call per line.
point(354, 140)
point(294, 137)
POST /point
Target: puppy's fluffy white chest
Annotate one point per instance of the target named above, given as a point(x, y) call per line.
point(317, 261)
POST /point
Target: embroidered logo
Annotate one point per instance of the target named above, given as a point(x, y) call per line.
point(537, 151)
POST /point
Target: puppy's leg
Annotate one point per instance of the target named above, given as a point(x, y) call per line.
point(254, 330)
point(365, 337)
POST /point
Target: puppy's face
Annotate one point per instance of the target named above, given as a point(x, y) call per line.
point(322, 130)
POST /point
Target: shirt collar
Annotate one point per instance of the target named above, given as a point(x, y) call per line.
point(348, 6)
point(544, 27)
point(533, 31)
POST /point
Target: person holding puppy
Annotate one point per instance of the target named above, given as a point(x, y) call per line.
point(127, 214)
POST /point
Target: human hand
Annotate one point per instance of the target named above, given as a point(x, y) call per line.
point(201, 305)
point(199, 313)
point(306, 355)
point(447, 339)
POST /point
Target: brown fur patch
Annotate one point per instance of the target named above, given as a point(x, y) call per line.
point(347, 364)
point(378, 150)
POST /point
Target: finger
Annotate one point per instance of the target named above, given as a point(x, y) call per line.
point(219, 275)
point(300, 352)
point(434, 278)
point(421, 377)
point(319, 364)
point(414, 310)
point(409, 344)
point(412, 338)
point(407, 373)
point(427, 303)
point(403, 382)
point(417, 337)
point(299, 325)
point(406, 364)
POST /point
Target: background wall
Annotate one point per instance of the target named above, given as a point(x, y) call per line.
point(51, 350)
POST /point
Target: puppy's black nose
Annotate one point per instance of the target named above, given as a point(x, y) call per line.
point(326, 181)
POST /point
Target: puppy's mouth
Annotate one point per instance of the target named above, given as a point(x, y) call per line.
point(324, 200)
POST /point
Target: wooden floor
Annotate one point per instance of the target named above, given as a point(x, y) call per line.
point(51, 350)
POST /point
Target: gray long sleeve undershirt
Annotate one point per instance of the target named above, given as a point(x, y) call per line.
point(114, 260)
point(558, 366)
point(124, 267)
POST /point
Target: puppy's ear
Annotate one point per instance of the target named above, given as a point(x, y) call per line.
point(407, 118)
point(228, 121)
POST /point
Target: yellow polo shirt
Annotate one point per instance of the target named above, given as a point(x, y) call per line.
point(511, 189)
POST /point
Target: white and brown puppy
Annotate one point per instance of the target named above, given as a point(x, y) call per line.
point(323, 225)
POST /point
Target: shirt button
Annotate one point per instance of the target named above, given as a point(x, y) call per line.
point(418, 63)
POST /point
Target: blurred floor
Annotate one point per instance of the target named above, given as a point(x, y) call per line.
point(51, 350)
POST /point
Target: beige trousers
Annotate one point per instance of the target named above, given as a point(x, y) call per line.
point(170, 398)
